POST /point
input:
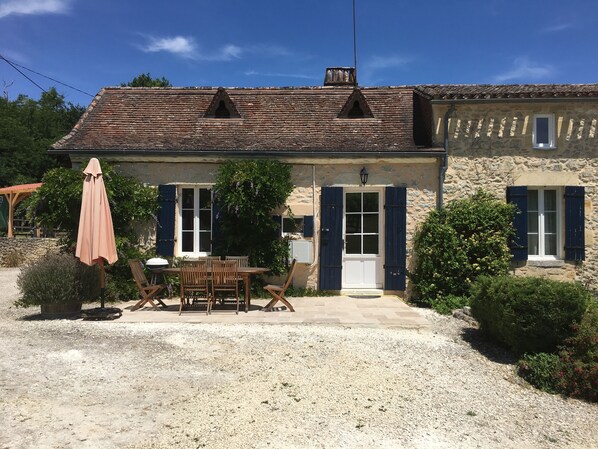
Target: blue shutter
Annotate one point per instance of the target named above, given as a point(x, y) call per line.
point(216, 234)
point(517, 195)
point(165, 228)
point(331, 238)
point(574, 223)
point(395, 246)
point(308, 226)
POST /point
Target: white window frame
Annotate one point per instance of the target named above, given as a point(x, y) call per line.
point(195, 252)
point(541, 225)
point(551, 133)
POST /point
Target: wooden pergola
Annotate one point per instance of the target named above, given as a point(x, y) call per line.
point(14, 195)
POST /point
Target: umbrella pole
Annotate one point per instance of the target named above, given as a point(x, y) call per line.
point(102, 283)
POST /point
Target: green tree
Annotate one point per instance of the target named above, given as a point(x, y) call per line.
point(247, 193)
point(457, 244)
point(145, 80)
point(27, 130)
point(57, 203)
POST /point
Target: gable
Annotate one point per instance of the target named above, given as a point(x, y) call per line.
point(222, 106)
point(356, 107)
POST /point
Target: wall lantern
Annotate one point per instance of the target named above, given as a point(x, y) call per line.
point(363, 174)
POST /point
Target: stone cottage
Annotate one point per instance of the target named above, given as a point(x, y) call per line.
point(536, 146)
point(368, 164)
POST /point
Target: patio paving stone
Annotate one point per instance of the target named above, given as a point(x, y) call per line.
point(385, 312)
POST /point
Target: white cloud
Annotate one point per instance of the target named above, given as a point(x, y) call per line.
point(385, 62)
point(523, 69)
point(557, 28)
point(187, 48)
point(229, 52)
point(33, 7)
point(369, 71)
point(179, 45)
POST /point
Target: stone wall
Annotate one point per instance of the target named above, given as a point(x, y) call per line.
point(490, 147)
point(25, 250)
point(419, 176)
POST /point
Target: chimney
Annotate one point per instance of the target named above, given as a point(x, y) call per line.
point(340, 76)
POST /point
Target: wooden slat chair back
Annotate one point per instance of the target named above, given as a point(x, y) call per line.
point(243, 261)
point(195, 284)
point(225, 278)
point(277, 291)
point(148, 291)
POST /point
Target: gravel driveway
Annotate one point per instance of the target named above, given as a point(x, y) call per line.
point(75, 384)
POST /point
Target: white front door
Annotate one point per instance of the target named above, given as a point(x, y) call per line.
point(362, 256)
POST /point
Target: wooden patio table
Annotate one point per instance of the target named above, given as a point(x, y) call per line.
point(244, 272)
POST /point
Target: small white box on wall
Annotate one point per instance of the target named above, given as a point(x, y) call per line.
point(301, 250)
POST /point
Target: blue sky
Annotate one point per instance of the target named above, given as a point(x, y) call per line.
point(89, 44)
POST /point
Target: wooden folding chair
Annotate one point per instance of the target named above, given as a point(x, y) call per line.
point(224, 280)
point(242, 261)
point(194, 277)
point(277, 291)
point(148, 291)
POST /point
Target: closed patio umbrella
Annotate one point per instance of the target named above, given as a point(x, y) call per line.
point(95, 238)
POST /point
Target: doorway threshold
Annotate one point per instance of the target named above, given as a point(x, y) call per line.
point(369, 293)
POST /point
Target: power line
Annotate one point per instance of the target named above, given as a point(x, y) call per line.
point(14, 65)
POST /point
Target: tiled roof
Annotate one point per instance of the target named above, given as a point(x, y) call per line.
point(272, 119)
point(508, 91)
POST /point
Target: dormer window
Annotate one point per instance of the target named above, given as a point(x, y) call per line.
point(221, 110)
point(222, 106)
point(356, 111)
point(356, 107)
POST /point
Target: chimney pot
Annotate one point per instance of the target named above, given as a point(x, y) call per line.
point(340, 76)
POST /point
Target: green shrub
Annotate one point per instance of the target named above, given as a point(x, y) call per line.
point(449, 303)
point(13, 258)
point(457, 244)
point(541, 370)
point(247, 193)
point(57, 278)
point(528, 314)
point(57, 204)
point(579, 358)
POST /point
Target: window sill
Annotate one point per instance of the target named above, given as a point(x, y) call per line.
point(548, 263)
point(543, 148)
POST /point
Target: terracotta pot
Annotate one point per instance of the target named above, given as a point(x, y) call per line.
point(61, 309)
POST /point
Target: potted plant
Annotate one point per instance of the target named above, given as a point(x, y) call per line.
point(59, 283)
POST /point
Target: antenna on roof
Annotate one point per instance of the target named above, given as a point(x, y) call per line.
point(354, 44)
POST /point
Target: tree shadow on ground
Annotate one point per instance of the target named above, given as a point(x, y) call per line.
point(488, 348)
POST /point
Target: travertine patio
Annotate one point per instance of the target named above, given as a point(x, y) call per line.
point(384, 312)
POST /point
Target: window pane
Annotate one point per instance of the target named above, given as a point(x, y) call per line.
point(532, 241)
point(187, 198)
point(550, 222)
point(353, 202)
point(205, 220)
point(188, 220)
point(353, 224)
point(532, 222)
point(542, 130)
point(205, 239)
point(549, 200)
point(550, 245)
point(370, 244)
point(205, 199)
point(353, 244)
point(187, 243)
point(532, 200)
point(370, 202)
point(370, 223)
